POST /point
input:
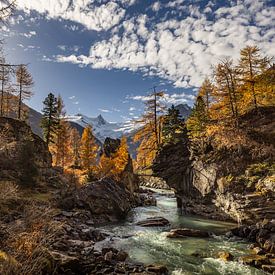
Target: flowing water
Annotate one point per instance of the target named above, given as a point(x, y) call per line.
point(181, 256)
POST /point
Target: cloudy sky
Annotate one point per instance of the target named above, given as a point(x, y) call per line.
point(105, 56)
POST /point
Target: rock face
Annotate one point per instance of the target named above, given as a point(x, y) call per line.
point(186, 232)
point(129, 179)
point(22, 153)
point(153, 222)
point(153, 182)
point(263, 233)
point(173, 164)
point(237, 181)
point(106, 197)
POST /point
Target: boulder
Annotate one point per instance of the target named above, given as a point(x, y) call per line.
point(187, 232)
point(105, 197)
point(157, 269)
point(24, 156)
point(225, 256)
point(254, 260)
point(152, 222)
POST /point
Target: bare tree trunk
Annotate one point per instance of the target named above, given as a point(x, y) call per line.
point(2, 93)
point(20, 100)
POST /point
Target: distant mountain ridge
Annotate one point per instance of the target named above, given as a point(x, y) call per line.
point(101, 127)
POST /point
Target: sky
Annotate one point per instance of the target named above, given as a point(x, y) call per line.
point(104, 57)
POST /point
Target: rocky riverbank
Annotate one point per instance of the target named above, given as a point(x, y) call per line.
point(48, 223)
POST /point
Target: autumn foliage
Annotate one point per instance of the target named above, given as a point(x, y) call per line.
point(235, 89)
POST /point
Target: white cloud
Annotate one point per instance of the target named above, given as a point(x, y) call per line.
point(84, 12)
point(167, 99)
point(74, 48)
point(62, 47)
point(104, 110)
point(29, 34)
point(182, 51)
point(156, 6)
point(72, 97)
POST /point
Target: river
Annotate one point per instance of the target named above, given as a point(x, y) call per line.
point(181, 256)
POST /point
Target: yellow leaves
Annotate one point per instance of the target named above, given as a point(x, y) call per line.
point(114, 165)
point(88, 150)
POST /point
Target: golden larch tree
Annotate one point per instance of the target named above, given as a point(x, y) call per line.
point(88, 151)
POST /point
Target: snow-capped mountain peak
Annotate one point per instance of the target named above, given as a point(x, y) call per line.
point(101, 127)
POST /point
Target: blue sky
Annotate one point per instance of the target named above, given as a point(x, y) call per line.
point(105, 56)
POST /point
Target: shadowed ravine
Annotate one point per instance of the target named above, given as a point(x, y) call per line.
point(181, 256)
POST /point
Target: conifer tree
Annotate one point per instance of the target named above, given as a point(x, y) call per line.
point(61, 148)
point(196, 123)
point(149, 135)
point(251, 65)
point(4, 80)
point(226, 93)
point(88, 152)
point(112, 166)
point(173, 126)
point(24, 82)
point(206, 92)
point(75, 143)
point(50, 118)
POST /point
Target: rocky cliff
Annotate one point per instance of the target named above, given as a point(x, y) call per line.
point(129, 179)
point(237, 180)
point(23, 155)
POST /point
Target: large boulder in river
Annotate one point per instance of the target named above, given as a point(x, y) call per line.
point(24, 156)
point(105, 197)
point(187, 232)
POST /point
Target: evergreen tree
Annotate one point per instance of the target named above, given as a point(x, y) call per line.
point(196, 123)
point(88, 152)
point(50, 118)
point(173, 126)
point(24, 82)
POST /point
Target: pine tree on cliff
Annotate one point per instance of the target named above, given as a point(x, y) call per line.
point(88, 152)
point(251, 65)
point(206, 92)
point(24, 83)
point(50, 118)
point(173, 126)
point(226, 95)
point(196, 123)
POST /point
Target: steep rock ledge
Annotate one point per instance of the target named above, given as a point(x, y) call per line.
point(235, 183)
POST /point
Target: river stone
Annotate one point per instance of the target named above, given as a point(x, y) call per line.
point(151, 222)
point(225, 256)
point(187, 232)
point(157, 269)
point(254, 260)
point(269, 268)
point(121, 256)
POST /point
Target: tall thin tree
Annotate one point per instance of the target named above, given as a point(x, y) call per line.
point(24, 82)
point(50, 118)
